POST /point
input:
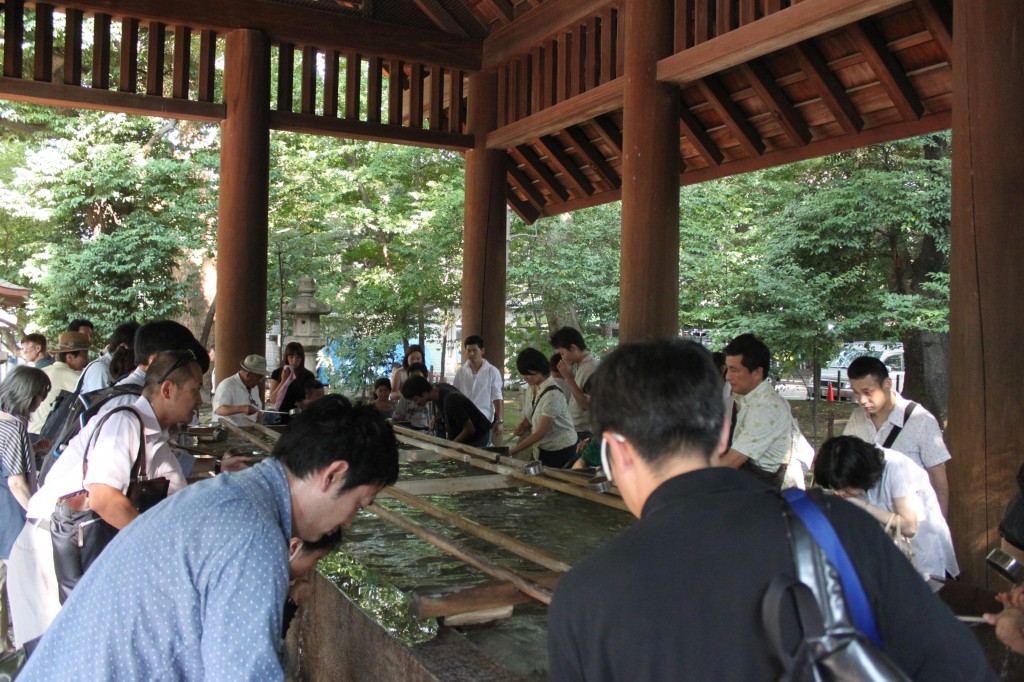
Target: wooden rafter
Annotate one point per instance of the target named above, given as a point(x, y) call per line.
point(733, 117)
point(533, 162)
point(524, 209)
point(523, 181)
point(938, 20)
point(694, 131)
point(777, 31)
point(440, 17)
point(593, 156)
point(569, 168)
point(500, 9)
point(889, 71)
point(764, 84)
point(609, 132)
point(832, 92)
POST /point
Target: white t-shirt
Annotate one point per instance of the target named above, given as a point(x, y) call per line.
point(551, 404)
point(933, 546)
point(920, 439)
point(110, 459)
point(483, 388)
point(232, 391)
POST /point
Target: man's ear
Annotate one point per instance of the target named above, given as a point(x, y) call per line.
point(333, 474)
point(624, 454)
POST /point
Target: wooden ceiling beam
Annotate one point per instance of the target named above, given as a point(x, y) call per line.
point(733, 117)
point(594, 156)
point(531, 159)
point(293, 122)
point(440, 17)
point(889, 71)
point(694, 131)
point(523, 181)
point(569, 169)
point(301, 26)
point(831, 91)
point(797, 23)
point(517, 37)
point(502, 9)
point(609, 132)
point(938, 19)
point(524, 209)
point(763, 83)
point(579, 109)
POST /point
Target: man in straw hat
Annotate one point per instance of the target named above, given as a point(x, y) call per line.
point(237, 398)
point(71, 356)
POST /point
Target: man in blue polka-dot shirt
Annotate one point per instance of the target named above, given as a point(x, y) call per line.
point(195, 587)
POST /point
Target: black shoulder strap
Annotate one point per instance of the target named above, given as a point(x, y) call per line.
point(536, 401)
point(891, 438)
point(139, 465)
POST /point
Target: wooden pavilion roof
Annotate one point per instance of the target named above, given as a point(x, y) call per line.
point(761, 82)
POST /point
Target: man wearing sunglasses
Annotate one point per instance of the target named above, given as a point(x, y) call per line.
point(678, 595)
point(170, 394)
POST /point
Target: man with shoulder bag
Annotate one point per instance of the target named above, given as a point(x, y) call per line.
point(119, 466)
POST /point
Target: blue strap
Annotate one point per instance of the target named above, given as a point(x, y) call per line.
point(821, 530)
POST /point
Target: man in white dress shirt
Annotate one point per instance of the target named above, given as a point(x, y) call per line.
point(481, 382)
point(889, 420)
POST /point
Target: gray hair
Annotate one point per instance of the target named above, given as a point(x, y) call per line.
point(21, 388)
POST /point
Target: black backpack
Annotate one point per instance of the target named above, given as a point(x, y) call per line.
point(70, 413)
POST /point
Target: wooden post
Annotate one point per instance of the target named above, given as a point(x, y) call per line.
point(649, 302)
point(241, 321)
point(483, 260)
point(986, 317)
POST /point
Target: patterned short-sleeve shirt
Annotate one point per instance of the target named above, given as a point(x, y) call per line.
point(763, 427)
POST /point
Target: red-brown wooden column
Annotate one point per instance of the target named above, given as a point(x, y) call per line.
point(986, 398)
point(649, 303)
point(241, 320)
point(483, 259)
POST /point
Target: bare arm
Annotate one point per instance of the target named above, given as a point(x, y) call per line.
point(228, 410)
point(18, 485)
point(539, 431)
point(732, 458)
point(901, 508)
point(499, 415)
point(112, 505)
point(468, 431)
point(937, 475)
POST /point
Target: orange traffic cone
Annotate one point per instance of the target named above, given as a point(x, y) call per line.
point(831, 393)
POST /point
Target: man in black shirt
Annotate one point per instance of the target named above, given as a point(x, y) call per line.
point(463, 421)
point(678, 595)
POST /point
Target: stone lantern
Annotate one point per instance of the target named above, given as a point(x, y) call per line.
point(306, 311)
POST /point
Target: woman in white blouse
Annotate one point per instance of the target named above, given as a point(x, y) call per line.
point(546, 414)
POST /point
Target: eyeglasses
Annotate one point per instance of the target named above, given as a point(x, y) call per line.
point(184, 357)
point(606, 466)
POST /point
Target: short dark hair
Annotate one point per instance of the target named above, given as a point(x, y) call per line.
point(532, 361)
point(37, 339)
point(664, 396)
point(414, 387)
point(124, 333)
point(77, 324)
point(414, 348)
point(754, 351)
point(169, 365)
point(333, 429)
point(848, 462)
point(418, 367)
point(553, 362)
point(21, 387)
point(160, 335)
point(383, 381)
point(866, 366)
point(568, 336)
point(474, 340)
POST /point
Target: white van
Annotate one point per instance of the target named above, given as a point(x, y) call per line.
point(890, 353)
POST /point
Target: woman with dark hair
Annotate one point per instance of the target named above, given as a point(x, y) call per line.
point(288, 382)
point(382, 401)
point(547, 415)
point(413, 355)
point(889, 486)
point(20, 394)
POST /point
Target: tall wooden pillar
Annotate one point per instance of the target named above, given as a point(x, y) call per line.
point(241, 321)
point(986, 399)
point(649, 303)
point(483, 259)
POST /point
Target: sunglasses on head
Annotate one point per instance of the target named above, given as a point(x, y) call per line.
point(184, 358)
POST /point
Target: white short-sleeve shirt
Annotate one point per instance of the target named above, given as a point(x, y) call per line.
point(232, 391)
point(920, 438)
point(552, 404)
